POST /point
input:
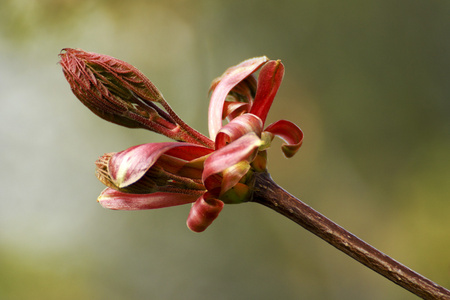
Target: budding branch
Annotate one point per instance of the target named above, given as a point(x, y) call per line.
point(269, 194)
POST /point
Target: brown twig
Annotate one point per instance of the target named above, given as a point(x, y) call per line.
point(273, 196)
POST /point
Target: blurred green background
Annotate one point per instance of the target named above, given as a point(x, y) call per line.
point(367, 81)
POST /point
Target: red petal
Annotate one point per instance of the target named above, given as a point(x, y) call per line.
point(238, 127)
point(113, 199)
point(225, 84)
point(203, 213)
point(290, 133)
point(243, 149)
point(128, 166)
point(269, 81)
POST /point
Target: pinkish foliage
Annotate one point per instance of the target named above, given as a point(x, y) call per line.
point(195, 169)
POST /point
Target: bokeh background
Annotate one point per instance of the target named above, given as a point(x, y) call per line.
point(367, 81)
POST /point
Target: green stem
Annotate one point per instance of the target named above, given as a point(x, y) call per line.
point(269, 194)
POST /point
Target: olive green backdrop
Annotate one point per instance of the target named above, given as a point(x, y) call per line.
point(367, 81)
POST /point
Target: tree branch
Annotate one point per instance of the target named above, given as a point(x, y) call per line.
point(269, 194)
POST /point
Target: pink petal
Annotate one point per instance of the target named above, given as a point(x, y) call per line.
point(203, 213)
point(290, 133)
point(116, 200)
point(229, 79)
point(269, 81)
point(243, 149)
point(238, 127)
point(128, 166)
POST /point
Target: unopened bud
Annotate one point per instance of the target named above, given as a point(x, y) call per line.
point(115, 90)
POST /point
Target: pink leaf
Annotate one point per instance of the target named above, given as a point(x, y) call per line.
point(234, 109)
point(224, 85)
point(269, 81)
point(238, 127)
point(290, 133)
point(203, 213)
point(116, 200)
point(128, 166)
point(242, 149)
point(233, 174)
